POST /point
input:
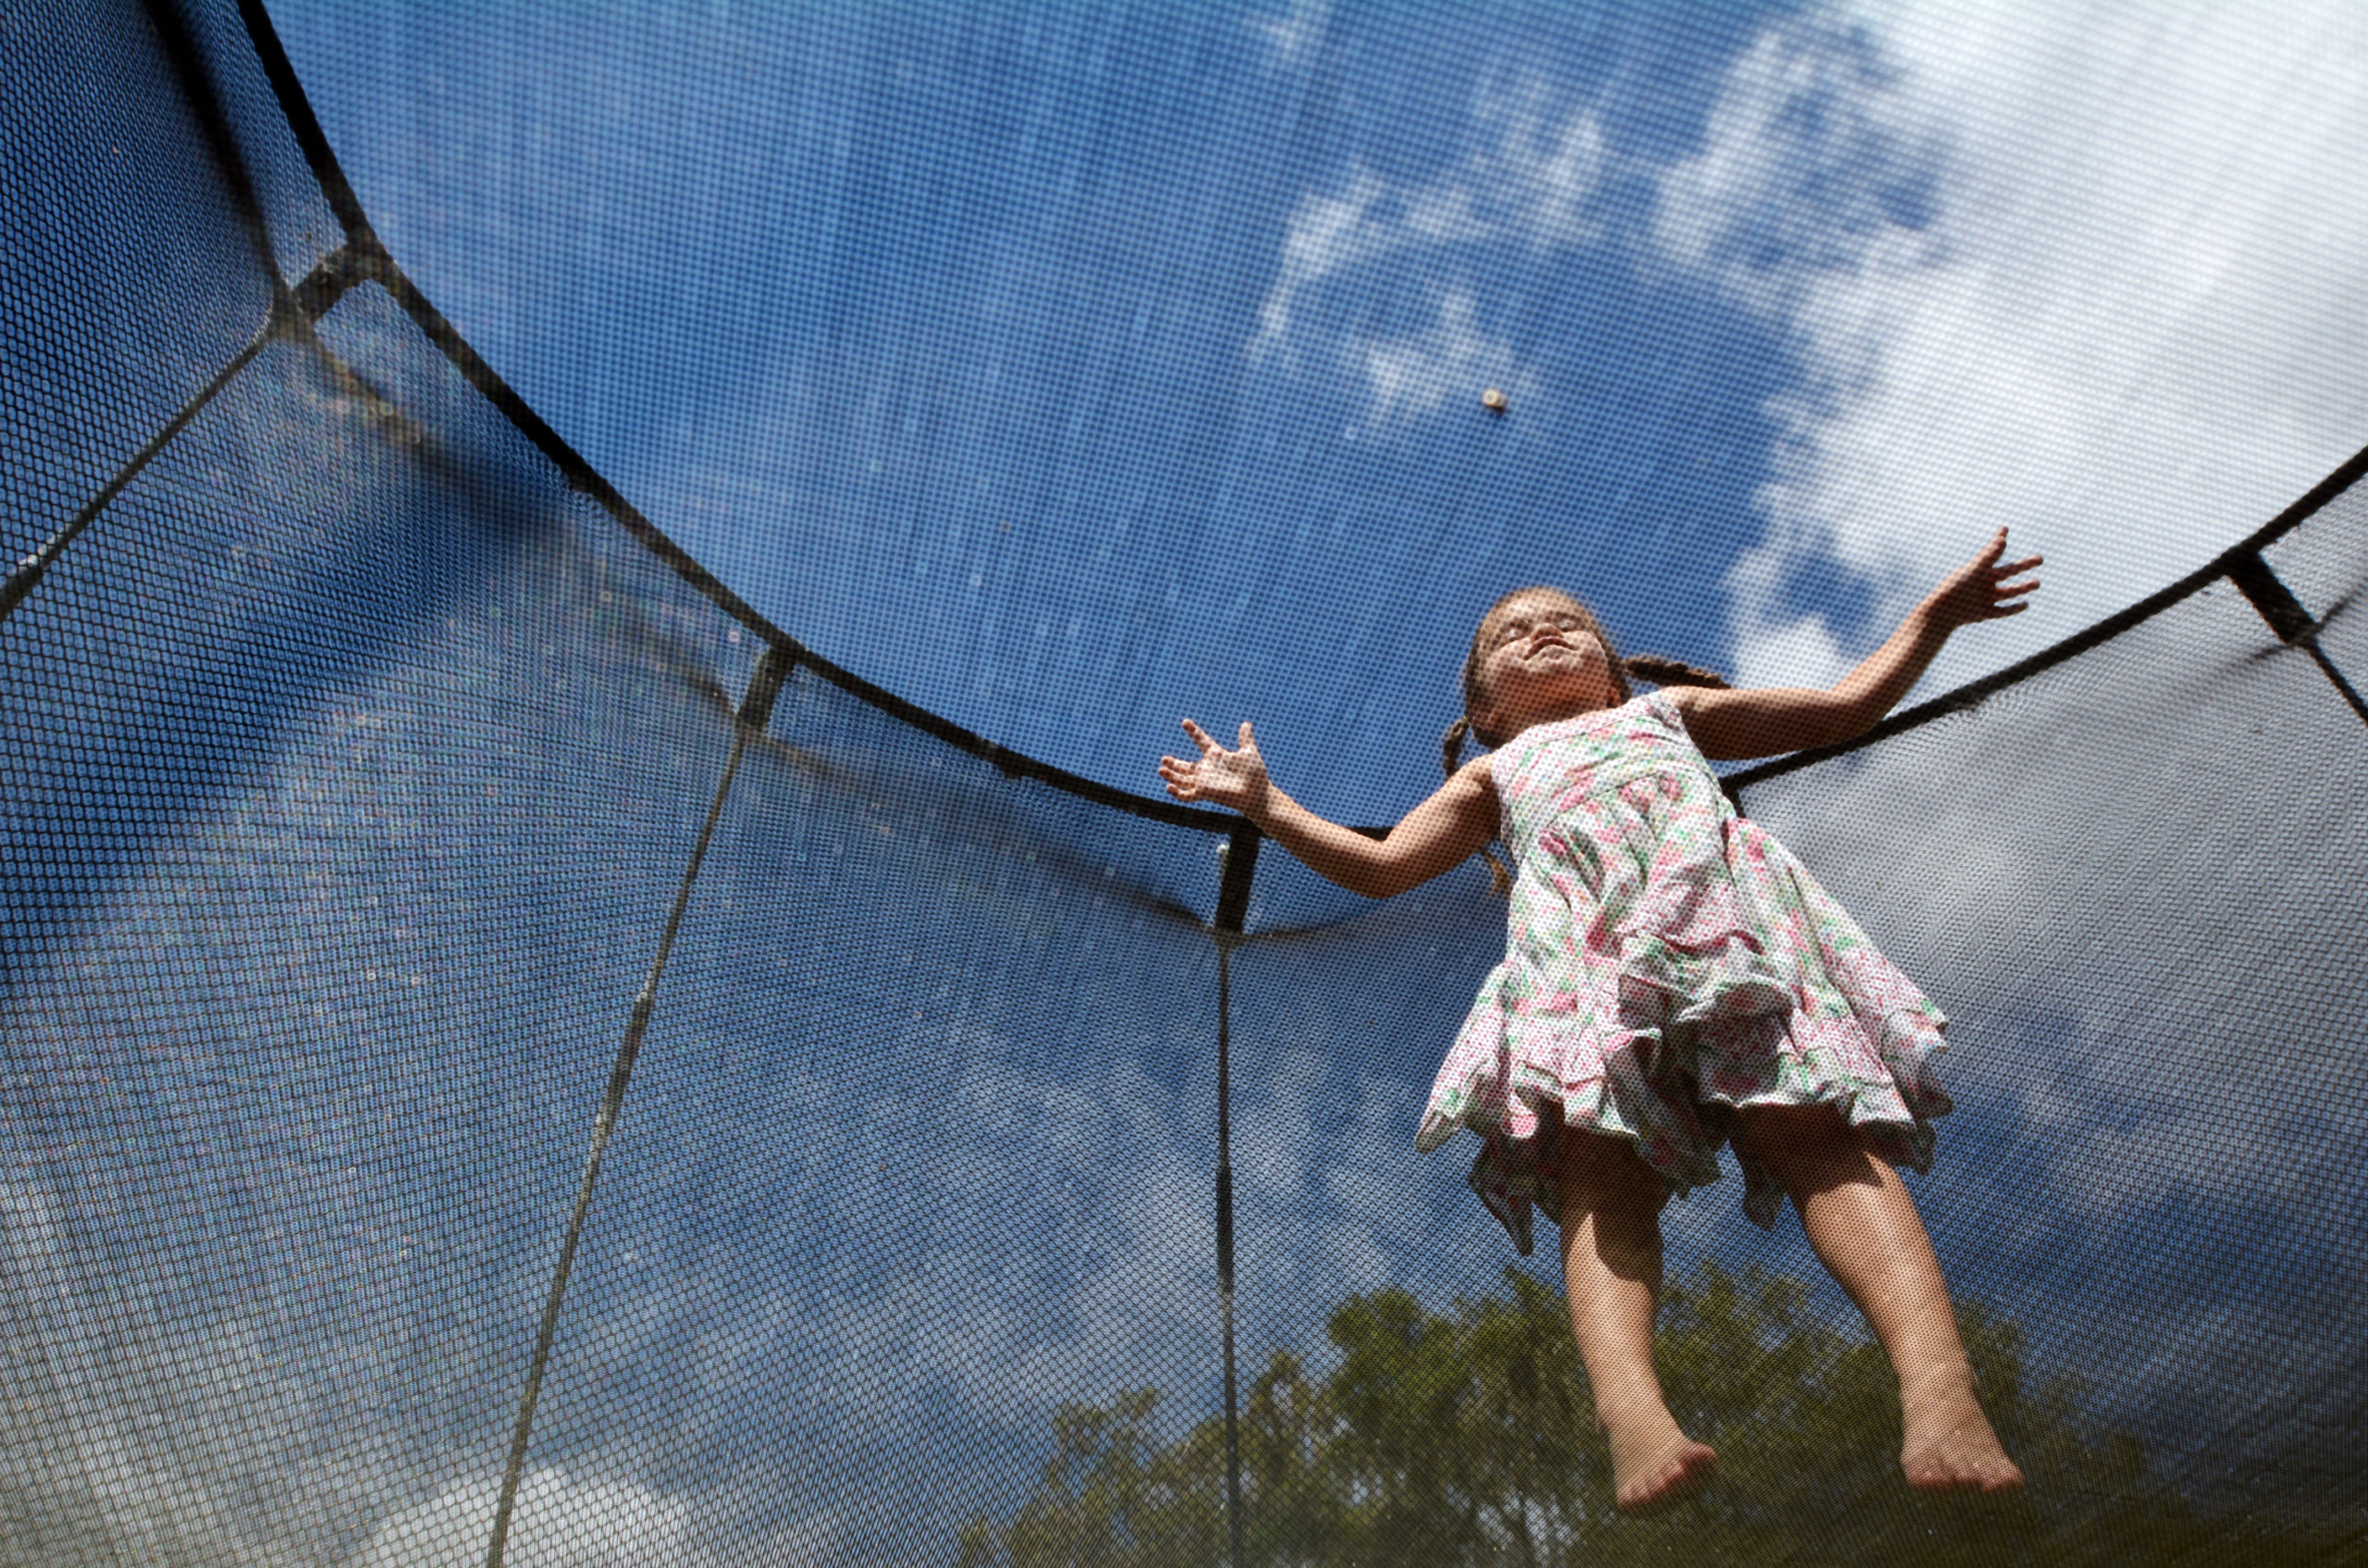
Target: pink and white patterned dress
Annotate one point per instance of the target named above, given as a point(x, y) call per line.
point(1668, 962)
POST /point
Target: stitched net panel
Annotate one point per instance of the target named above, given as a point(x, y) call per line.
point(307, 977)
point(379, 799)
point(356, 759)
point(918, 1152)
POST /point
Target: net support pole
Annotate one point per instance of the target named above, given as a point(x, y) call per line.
point(27, 573)
point(2286, 617)
point(292, 314)
point(283, 321)
point(756, 707)
point(1238, 861)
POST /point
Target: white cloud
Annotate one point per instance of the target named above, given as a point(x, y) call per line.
point(558, 1522)
point(2089, 272)
point(1327, 234)
point(1417, 374)
point(1125, 1295)
point(1294, 35)
point(169, 1442)
point(1527, 182)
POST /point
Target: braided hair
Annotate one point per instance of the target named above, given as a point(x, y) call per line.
point(1651, 667)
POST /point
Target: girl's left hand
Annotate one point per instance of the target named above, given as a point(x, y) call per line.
point(1978, 589)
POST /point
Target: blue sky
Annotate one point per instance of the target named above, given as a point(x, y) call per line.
point(1000, 355)
point(1066, 369)
point(1069, 368)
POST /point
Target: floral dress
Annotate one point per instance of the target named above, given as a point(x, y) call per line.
point(1667, 962)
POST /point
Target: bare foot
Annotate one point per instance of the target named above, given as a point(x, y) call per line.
point(1949, 1447)
point(1654, 1465)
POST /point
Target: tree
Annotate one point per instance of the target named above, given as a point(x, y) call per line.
point(1469, 1437)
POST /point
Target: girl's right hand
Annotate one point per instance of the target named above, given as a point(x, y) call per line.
point(1236, 778)
point(1978, 589)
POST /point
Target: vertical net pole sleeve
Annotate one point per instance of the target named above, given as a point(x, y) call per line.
point(2293, 623)
point(180, 46)
point(292, 313)
point(285, 320)
point(290, 320)
point(27, 573)
point(1239, 859)
point(756, 708)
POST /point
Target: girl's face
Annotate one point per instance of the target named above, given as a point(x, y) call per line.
point(1540, 663)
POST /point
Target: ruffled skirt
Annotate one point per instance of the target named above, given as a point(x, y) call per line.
point(1715, 980)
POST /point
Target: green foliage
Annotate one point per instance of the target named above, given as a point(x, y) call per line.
point(1470, 1438)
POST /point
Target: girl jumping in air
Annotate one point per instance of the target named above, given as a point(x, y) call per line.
point(1673, 980)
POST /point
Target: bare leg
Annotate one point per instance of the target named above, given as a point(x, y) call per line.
point(1864, 1226)
point(1611, 1269)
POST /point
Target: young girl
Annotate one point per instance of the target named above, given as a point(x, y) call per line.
point(1674, 981)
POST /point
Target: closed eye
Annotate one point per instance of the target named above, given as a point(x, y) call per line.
point(1514, 628)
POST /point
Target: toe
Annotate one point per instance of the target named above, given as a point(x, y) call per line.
point(1677, 1477)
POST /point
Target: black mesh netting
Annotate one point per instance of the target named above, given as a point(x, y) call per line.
point(354, 755)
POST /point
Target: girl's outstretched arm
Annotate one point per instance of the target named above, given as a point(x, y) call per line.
point(1444, 831)
point(1761, 721)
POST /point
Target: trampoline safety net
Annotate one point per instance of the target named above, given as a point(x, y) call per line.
point(393, 819)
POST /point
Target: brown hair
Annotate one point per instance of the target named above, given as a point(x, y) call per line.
point(1651, 667)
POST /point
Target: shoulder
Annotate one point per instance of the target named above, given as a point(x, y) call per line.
point(1736, 723)
point(1698, 706)
point(1477, 776)
point(1698, 715)
point(1470, 793)
point(1688, 701)
point(1699, 711)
